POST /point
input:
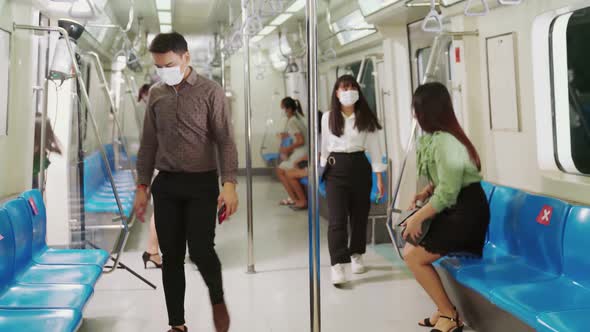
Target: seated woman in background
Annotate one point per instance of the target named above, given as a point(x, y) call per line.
point(296, 129)
point(51, 146)
point(294, 175)
point(458, 205)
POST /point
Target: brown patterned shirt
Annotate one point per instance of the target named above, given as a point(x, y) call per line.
point(182, 131)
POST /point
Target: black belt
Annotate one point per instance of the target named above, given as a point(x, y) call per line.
point(334, 155)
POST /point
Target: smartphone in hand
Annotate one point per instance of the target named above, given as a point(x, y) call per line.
point(222, 214)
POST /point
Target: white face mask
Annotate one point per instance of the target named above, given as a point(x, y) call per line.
point(348, 98)
point(170, 75)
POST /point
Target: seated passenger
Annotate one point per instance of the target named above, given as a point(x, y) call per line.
point(294, 175)
point(458, 206)
point(51, 146)
point(296, 129)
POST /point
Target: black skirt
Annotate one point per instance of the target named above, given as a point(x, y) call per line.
point(461, 228)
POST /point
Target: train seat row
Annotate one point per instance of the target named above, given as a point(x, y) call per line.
point(98, 192)
point(41, 289)
point(535, 263)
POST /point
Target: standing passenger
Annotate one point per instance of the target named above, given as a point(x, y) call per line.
point(458, 204)
point(350, 129)
point(186, 121)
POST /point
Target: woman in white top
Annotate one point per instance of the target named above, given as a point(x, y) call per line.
point(296, 129)
point(348, 131)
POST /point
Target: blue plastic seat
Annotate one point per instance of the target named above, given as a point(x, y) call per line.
point(504, 206)
point(28, 272)
point(563, 321)
point(32, 296)
point(98, 192)
point(50, 256)
point(488, 188)
point(539, 244)
point(570, 291)
point(46, 320)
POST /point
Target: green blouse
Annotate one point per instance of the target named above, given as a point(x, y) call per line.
point(446, 163)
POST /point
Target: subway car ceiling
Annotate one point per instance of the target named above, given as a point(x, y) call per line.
point(522, 128)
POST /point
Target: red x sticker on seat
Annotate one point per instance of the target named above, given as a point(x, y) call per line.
point(544, 217)
point(33, 206)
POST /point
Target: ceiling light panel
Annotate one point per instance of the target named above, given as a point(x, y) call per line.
point(164, 28)
point(256, 39)
point(164, 4)
point(165, 17)
point(369, 7)
point(267, 30)
point(296, 6)
point(281, 19)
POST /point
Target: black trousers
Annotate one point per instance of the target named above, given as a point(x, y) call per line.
point(185, 208)
point(348, 184)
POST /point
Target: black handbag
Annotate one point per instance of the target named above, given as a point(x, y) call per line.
point(400, 228)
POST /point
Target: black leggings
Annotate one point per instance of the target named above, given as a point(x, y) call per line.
point(348, 185)
point(185, 208)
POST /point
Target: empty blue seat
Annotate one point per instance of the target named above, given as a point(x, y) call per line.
point(32, 296)
point(568, 292)
point(98, 192)
point(28, 272)
point(46, 320)
point(504, 206)
point(563, 321)
point(49, 256)
point(536, 236)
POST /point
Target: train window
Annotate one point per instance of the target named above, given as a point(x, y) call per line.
point(571, 91)
point(367, 83)
point(352, 27)
point(422, 57)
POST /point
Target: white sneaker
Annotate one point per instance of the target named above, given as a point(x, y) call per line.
point(357, 264)
point(338, 274)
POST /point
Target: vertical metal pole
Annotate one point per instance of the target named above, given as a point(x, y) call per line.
point(248, 106)
point(223, 70)
point(43, 139)
point(313, 214)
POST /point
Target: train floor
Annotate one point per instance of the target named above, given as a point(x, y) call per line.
point(276, 298)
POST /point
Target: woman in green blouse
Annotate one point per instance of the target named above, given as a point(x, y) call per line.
point(457, 203)
point(51, 146)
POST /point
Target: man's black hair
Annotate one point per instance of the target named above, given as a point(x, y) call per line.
point(166, 42)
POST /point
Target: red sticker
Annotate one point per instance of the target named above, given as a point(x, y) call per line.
point(33, 206)
point(544, 217)
point(457, 54)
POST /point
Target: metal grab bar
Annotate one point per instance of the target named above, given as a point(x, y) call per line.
point(248, 129)
point(124, 235)
point(132, 92)
point(468, 7)
point(313, 213)
point(114, 109)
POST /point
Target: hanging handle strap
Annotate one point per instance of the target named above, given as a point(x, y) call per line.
point(469, 6)
point(510, 2)
point(433, 21)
